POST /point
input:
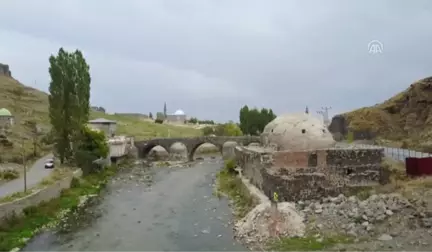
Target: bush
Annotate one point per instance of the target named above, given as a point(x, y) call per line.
point(75, 182)
point(92, 145)
point(9, 174)
point(160, 121)
point(230, 165)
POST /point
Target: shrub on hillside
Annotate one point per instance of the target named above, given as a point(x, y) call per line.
point(160, 121)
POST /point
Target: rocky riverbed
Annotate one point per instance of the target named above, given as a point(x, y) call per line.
point(152, 209)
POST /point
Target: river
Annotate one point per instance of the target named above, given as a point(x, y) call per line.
point(153, 209)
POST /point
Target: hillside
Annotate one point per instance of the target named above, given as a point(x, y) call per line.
point(405, 119)
point(34, 107)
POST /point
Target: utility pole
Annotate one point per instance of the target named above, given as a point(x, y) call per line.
point(24, 165)
point(324, 113)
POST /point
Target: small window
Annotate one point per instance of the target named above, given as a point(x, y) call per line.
point(303, 131)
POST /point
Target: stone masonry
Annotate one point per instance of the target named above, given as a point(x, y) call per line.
point(192, 143)
point(4, 70)
point(306, 175)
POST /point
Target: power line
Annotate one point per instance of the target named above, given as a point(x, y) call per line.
point(325, 115)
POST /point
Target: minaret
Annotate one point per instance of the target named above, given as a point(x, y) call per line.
point(165, 110)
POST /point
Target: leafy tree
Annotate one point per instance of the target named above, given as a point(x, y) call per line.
point(193, 120)
point(207, 131)
point(150, 115)
point(253, 121)
point(227, 129)
point(92, 145)
point(231, 129)
point(69, 99)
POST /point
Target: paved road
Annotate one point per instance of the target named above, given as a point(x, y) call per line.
point(35, 175)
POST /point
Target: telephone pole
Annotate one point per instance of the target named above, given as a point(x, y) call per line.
point(324, 113)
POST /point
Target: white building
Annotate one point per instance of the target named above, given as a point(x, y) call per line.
point(178, 117)
point(6, 118)
point(107, 126)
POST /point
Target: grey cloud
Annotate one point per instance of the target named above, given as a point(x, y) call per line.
point(211, 57)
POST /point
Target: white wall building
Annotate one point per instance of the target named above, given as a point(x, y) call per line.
point(178, 117)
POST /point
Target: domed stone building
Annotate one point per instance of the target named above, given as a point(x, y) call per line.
point(297, 132)
point(178, 117)
point(6, 118)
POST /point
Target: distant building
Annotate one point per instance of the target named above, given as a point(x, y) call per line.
point(6, 118)
point(178, 117)
point(139, 115)
point(107, 126)
point(98, 109)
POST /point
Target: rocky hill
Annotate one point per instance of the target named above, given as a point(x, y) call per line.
point(406, 118)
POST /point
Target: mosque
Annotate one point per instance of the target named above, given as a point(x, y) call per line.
point(178, 117)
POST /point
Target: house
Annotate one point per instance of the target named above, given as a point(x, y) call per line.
point(178, 117)
point(6, 118)
point(107, 126)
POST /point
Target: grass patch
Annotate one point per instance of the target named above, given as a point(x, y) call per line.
point(229, 184)
point(16, 230)
point(143, 129)
point(309, 243)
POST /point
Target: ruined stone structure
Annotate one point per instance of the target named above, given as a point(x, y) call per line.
point(298, 161)
point(192, 143)
point(4, 70)
point(303, 175)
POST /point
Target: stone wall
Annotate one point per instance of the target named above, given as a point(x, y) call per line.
point(4, 70)
point(310, 174)
point(339, 128)
point(17, 206)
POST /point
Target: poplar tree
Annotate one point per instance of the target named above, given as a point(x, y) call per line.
point(69, 99)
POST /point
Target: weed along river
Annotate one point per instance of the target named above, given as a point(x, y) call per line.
point(152, 209)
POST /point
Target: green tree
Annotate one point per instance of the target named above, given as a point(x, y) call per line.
point(69, 99)
point(92, 145)
point(150, 115)
point(232, 129)
point(253, 121)
point(208, 131)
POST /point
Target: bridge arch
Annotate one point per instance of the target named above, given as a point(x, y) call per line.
point(151, 146)
point(194, 147)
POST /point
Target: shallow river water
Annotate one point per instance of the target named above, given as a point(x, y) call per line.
point(154, 209)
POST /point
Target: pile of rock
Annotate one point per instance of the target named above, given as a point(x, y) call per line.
point(354, 216)
point(259, 224)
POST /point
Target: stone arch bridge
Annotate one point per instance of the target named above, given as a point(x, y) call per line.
point(192, 143)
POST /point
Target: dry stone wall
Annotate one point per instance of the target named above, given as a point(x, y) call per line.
point(305, 175)
point(17, 206)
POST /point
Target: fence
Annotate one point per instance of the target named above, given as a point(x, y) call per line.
point(397, 154)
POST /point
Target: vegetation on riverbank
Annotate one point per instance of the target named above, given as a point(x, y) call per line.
point(16, 230)
point(308, 243)
point(229, 184)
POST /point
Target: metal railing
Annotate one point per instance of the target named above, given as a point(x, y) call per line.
point(397, 154)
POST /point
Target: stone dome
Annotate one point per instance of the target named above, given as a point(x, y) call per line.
point(297, 132)
point(5, 112)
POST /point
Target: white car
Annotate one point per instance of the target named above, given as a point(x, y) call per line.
point(49, 164)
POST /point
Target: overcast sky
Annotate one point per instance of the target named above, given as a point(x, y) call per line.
point(210, 57)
